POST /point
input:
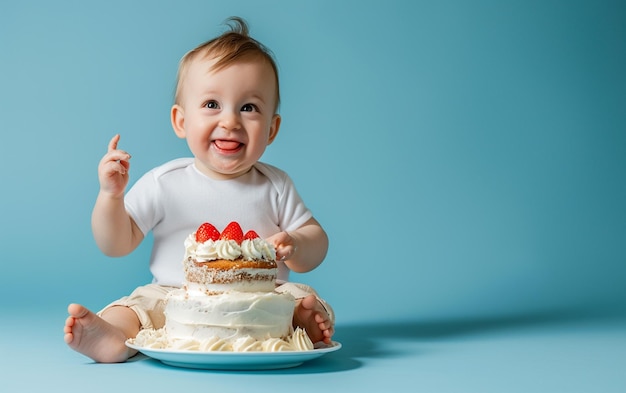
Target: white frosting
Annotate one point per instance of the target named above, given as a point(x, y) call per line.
point(229, 316)
point(242, 286)
point(150, 338)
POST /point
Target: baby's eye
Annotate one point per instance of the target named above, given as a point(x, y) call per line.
point(249, 108)
point(212, 105)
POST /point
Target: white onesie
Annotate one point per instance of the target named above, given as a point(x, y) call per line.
point(173, 199)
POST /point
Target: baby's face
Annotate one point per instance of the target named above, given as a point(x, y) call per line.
point(228, 115)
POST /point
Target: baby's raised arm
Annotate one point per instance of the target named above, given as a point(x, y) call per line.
point(303, 249)
point(115, 232)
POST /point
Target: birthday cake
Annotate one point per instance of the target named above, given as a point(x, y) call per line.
point(227, 301)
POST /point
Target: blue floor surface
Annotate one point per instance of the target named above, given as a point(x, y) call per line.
point(529, 353)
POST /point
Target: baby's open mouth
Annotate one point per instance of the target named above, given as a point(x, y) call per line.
point(227, 145)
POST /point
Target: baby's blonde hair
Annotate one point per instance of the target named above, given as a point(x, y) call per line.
point(232, 46)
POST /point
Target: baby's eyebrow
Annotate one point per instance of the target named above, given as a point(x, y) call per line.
point(258, 97)
point(208, 92)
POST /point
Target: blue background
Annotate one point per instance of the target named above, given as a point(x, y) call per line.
point(467, 159)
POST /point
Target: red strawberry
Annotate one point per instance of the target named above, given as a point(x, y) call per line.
point(232, 232)
point(250, 235)
point(205, 232)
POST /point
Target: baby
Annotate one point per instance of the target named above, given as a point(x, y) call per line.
point(225, 107)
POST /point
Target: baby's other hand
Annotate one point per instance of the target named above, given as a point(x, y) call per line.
point(284, 245)
point(113, 169)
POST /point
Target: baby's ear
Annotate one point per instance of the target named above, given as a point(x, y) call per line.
point(274, 127)
point(178, 120)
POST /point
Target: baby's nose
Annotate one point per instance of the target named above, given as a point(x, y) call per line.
point(230, 120)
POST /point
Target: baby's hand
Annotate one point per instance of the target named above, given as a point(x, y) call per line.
point(284, 244)
point(113, 169)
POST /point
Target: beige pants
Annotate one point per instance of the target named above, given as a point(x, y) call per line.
point(148, 302)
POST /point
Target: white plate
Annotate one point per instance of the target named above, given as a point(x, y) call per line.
point(234, 360)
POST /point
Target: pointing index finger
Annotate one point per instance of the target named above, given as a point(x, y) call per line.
point(113, 143)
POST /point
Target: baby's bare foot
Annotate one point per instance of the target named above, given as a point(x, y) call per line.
point(87, 333)
point(311, 316)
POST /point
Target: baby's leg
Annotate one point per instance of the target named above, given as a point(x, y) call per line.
point(101, 339)
point(311, 316)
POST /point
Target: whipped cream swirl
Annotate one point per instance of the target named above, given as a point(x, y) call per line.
point(247, 344)
point(255, 249)
point(250, 249)
point(227, 249)
point(157, 339)
point(300, 341)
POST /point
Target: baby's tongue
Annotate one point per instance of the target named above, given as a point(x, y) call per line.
point(226, 145)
